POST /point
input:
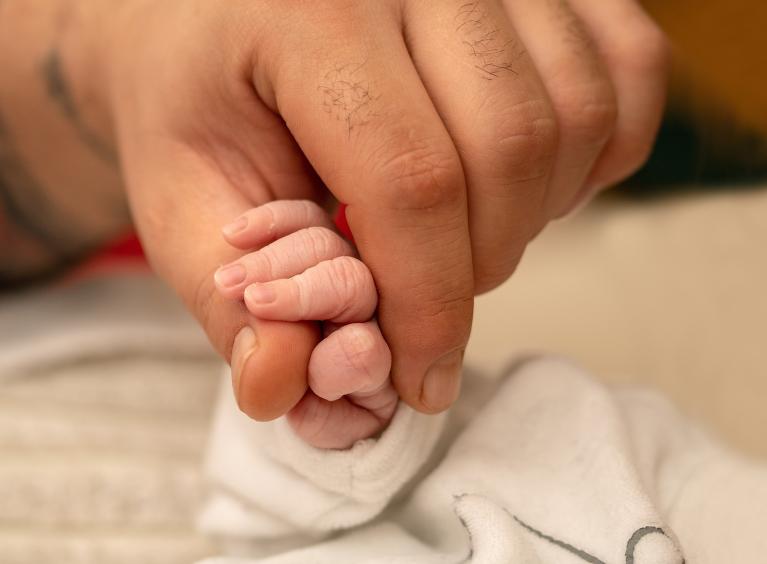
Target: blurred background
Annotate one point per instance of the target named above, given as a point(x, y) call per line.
point(661, 283)
point(715, 130)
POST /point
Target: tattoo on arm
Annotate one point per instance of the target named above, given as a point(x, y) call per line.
point(29, 213)
point(61, 94)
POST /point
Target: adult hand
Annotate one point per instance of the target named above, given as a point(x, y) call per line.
point(453, 130)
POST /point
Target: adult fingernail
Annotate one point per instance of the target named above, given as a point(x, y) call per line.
point(236, 226)
point(228, 276)
point(243, 347)
point(260, 294)
point(443, 382)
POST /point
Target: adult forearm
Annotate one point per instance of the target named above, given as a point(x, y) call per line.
point(60, 190)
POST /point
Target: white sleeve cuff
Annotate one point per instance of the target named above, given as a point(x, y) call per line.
point(264, 473)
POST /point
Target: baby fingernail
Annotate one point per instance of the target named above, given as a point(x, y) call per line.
point(443, 382)
point(260, 294)
point(236, 226)
point(228, 276)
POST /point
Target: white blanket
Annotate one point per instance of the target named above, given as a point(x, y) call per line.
point(546, 467)
point(104, 392)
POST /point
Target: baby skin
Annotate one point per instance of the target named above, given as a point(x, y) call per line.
point(296, 267)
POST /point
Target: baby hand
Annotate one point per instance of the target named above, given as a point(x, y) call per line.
point(304, 270)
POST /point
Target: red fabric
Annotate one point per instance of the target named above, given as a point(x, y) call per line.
point(126, 246)
point(124, 251)
point(342, 224)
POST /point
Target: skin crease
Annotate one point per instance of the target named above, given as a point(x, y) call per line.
point(210, 109)
point(350, 395)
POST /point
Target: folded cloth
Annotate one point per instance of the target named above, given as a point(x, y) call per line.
point(106, 395)
point(552, 468)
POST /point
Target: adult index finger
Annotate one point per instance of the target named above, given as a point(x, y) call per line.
point(362, 116)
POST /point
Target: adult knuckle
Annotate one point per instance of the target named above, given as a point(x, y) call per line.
point(526, 136)
point(645, 49)
point(588, 114)
point(420, 176)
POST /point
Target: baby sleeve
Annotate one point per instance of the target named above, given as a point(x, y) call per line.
point(268, 484)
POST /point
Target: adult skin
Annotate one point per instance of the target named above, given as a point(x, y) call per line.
point(453, 130)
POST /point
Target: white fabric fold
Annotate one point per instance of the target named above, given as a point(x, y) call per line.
point(554, 468)
point(272, 480)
